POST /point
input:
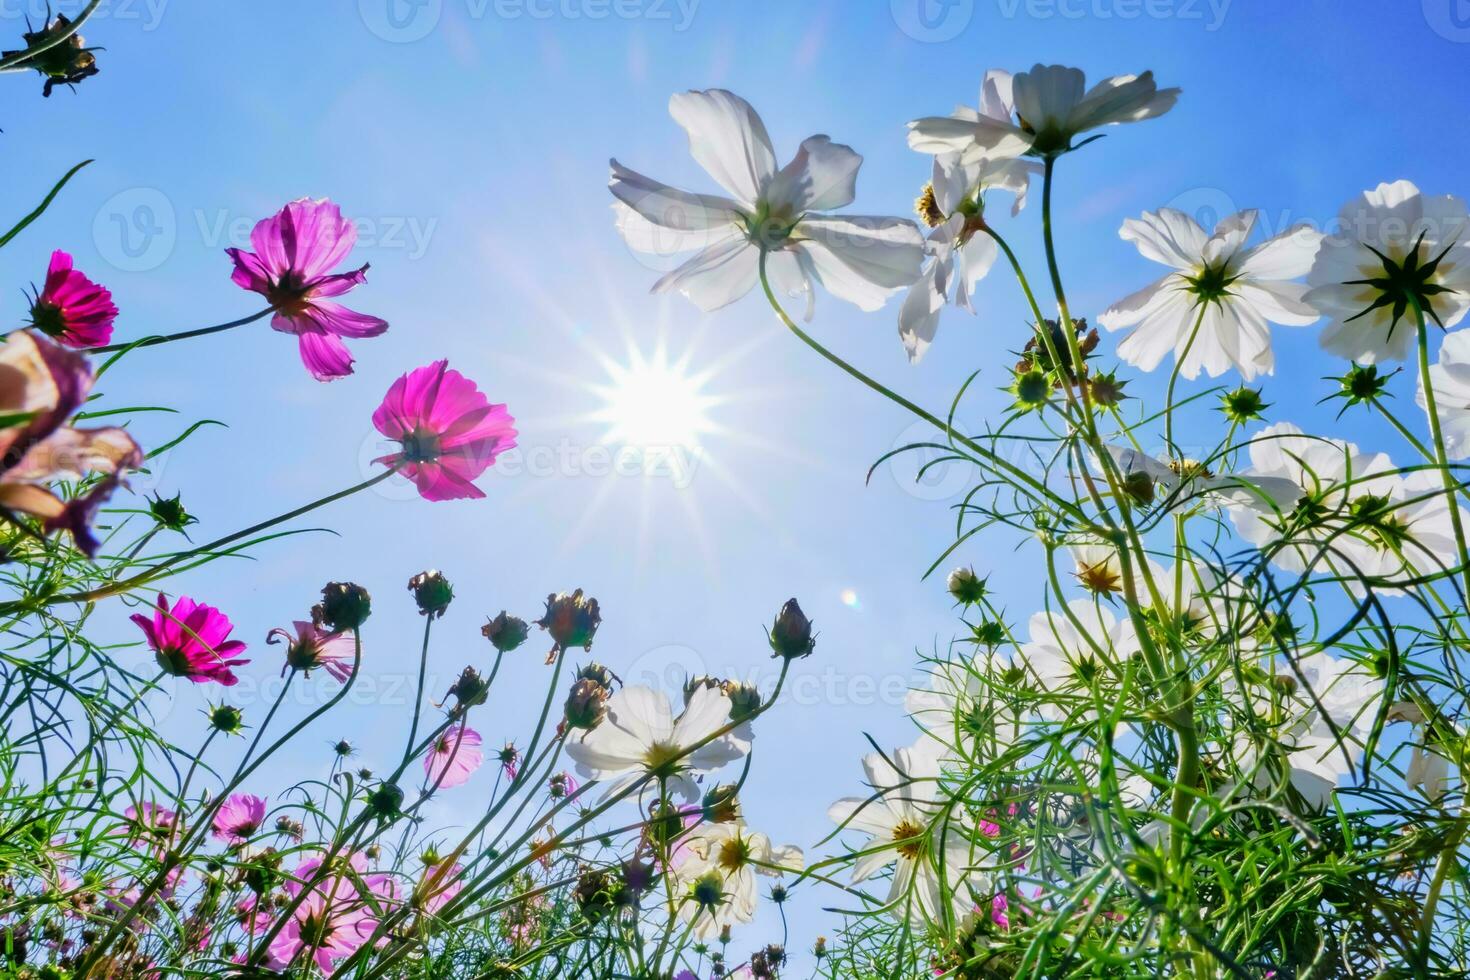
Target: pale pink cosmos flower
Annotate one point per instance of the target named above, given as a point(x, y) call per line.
point(455, 755)
point(238, 818)
point(72, 309)
point(332, 921)
point(41, 386)
point(448, 430)
point(314, 647)
point(295, 251)
point(440, 884)
point(191, 640)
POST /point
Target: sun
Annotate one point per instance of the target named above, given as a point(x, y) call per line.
point(652, 403)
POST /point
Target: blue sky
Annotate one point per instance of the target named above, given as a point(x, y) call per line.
point(472, 138)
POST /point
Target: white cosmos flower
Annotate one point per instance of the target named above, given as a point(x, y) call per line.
point(1212, 311)
point(863, 260)
point(729, 855)
point(1429, 769)
point(957, 712)
point(953, 205)
point(1321, 469)
point(640, 736)
point(908, 820)
point(1392, 232)
point(1055, 646)
point(1051, 104)
point(1311, 753)
point(1451, 380)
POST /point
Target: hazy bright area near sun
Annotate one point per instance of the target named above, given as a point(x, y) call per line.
point(691, 471)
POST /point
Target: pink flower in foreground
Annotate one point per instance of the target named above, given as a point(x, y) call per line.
point(295, 251)
point(41, 387)
point(441, 882)
point(448, 430)
point(238, 818)
point(71, 308)
point(454, 756)
point(314, 647)
point(192, 640)
point(332, 921)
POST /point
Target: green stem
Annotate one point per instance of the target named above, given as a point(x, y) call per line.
point(1452, 488)
point(143, 578)
point(1015, 472)
point(160, 339)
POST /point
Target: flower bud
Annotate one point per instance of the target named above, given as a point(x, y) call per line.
point(586, 705)
point(572, 621)
point(720, 804)
point(745, 699)
point(505, 632)
point(385, 801)
point(432, 591)
point(169, 513)
point(344, 606)
point(1243, 405)
point(468, 691)
point(966, 587)
point(226, 719)
point(791, 633)
point(64, 63)
point(343, 748)
point(598, 674)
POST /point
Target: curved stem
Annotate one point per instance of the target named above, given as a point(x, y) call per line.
point(1441, 457)
point(143, 578)
point(159, 339)
point(1018, 474)
point(1174, 380)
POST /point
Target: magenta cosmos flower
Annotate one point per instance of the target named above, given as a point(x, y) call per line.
point(295, 252)
point(72, 309)
point(238, 818)
point(455, 755)
point(192, 640)
point(314, 647)
point(448, 430)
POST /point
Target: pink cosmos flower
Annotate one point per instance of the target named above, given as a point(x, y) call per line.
point(41, 387)
point(192, 640)
point(510, 761)
point(314, 647)
point(441, 882)
point(331, 922)
point(238, 818)
point(454, 756)
point(149, 819)
point(998, 909)
point(295, 251)
point(71, 308)
point(448, 430)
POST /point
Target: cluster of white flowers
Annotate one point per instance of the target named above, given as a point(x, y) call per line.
point(1283, 717)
